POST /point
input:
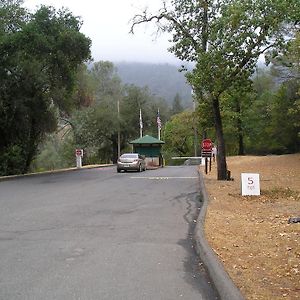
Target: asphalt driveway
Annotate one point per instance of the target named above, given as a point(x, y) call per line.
point(97, 234)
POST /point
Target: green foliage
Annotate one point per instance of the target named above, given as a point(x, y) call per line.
point(273, 121)
point(279, 193)
point(235, 104)
point(286, 64)
point(96, 127)
point(177, 105)
point(12, 157)
point(225, 39)
point(55, 153)
point(12, 16)
point(135, 98)
point(107, 83)
point(39, 57)
point(178, 135)
point(286, 106)
point(84, 95)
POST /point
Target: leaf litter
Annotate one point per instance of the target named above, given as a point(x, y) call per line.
point(259, 248)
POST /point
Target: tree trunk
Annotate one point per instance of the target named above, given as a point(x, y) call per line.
point(115, 149)
point(241, 144)
point(241, 150)
point(221, 154)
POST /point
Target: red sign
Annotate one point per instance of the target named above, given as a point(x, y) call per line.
point(79, 152)
point(207, 145)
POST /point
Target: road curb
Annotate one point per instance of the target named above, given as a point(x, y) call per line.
point(223, 283)
point(11, 177)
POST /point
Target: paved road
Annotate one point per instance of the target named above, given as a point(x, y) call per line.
point(97, 234)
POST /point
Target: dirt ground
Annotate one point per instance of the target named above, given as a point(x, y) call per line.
point(251, 234)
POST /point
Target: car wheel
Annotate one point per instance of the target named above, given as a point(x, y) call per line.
point(118, 170)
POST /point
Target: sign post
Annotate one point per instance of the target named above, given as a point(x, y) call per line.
point(206, 152)
point(79, 155)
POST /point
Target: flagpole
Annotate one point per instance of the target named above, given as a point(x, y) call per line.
point(158, 123)
point(141, 124)
point(119, 133)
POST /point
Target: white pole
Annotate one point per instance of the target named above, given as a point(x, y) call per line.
point(194, 123)
point(141, 124)
point(119, 135)
point(158, 123)
point(195, 129)
point(78, 161)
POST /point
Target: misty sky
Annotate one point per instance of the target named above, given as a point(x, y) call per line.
point(107, 24)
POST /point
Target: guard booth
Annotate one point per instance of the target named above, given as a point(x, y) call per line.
point(150, 147)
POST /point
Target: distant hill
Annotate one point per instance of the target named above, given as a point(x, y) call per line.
point(163, 80)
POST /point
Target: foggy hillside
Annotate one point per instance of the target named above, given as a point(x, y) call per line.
point(164, 80)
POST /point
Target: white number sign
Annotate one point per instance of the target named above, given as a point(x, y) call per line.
point(250, 184)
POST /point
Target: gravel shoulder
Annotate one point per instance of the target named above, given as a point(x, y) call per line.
point(251, 235)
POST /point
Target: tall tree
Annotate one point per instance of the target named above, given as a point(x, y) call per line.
point(84, 95)
point(39, 56)
point(225, 39)
point(96, 127)
point(179, 135)
point(273, 120)
point(107, 83)
point(177, 105)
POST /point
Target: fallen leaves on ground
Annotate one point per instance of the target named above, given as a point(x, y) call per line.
point(251, 235)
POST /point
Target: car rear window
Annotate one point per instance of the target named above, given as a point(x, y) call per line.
point(129, 156)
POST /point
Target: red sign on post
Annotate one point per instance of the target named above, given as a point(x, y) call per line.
point(206, 152)
point(207, 145)
point(206, 148)
point(79, 152)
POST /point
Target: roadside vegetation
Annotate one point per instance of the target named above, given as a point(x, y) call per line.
point(54, 99)
point(252, 235)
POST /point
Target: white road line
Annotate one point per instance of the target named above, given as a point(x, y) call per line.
point(162, 178)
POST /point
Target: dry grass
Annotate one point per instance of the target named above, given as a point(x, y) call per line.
point(251, 235)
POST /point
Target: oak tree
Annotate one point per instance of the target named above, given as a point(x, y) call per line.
point(225, 39)
point(39, 57)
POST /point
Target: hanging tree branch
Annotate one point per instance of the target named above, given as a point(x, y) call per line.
point(164, 14)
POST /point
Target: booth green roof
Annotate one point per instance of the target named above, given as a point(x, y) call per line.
point(147, 139)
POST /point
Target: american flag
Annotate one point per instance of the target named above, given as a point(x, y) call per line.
point(158, 120)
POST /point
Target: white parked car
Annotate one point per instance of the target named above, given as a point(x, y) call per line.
point(131, 161)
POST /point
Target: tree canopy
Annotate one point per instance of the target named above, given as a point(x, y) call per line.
point(39, 57)
point(96, 127)
point(225, 39)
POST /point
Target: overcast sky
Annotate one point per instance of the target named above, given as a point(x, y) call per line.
point(107, 24)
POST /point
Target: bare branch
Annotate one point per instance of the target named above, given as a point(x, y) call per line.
point(167, 16)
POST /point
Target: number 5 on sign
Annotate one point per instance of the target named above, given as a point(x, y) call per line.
point(250, 184)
